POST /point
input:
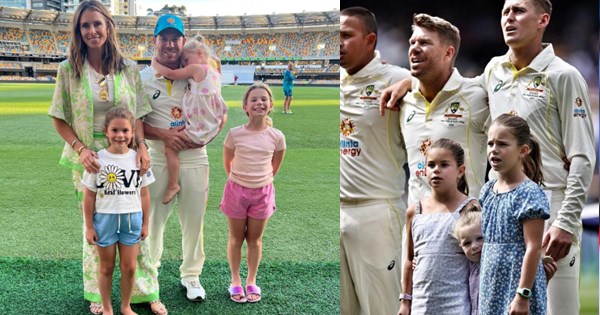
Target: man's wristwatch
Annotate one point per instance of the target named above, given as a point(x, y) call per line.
point(404, 296)
point(524, 292)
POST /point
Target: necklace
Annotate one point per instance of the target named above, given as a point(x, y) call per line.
point(102, 83)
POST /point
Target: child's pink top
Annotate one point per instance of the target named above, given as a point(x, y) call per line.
point(253, 152)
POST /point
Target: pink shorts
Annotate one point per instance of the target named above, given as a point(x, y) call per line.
point(240, 202)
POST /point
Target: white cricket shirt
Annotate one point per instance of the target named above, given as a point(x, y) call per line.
point(553, 97)
point(166, 98)
point(372, 151)
point(459, 112)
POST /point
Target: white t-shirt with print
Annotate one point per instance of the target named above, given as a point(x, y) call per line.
point(118, 183)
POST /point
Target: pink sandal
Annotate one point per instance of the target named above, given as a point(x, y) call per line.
point(253, 289)
point(237, 295)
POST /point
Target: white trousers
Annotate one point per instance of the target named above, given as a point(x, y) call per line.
point(371, 256)
point(191, 206)
point(563, 288)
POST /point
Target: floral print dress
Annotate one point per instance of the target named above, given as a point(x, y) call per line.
point(504, 247)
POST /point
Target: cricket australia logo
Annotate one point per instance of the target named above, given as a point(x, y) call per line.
point(347, 127)
point(537, 81)
point(370, 89)
point(454, 107)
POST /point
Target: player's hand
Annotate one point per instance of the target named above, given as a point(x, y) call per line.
point(142, 159)
point(557, 242)
point(174, 138)
point(567, 165)
point(189, 144)
point(392, 95)
point(89, 160)
point(144, 232)
point(90, 236)
point(519, 306)
point(404, 308)
point(550, 268)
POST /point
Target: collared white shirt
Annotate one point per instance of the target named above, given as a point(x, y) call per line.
point(372, 153)
point(553, 97)
point(166, 99)
point(458, 112)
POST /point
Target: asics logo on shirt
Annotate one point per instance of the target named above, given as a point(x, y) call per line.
point(410, 117)
point(156, 94)
point(498, 86)
point(391, 265)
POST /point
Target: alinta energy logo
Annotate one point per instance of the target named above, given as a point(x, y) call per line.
point(349, 147)
point(578, 111)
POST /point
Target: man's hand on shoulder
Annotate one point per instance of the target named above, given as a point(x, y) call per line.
point(392, 96)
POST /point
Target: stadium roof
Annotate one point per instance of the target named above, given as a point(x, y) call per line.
point(269, 21)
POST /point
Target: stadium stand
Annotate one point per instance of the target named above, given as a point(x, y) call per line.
point(258, 47)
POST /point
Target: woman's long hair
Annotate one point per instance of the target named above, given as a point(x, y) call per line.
point(112, 60)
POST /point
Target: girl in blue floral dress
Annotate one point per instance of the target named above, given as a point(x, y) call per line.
point(514, 210)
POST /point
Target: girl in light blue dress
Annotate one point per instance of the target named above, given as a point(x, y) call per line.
point(439, 283)
point(514, 209)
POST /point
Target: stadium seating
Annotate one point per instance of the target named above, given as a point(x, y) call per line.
point(251, 46)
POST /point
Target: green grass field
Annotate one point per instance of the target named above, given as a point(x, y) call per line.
point(40, 229)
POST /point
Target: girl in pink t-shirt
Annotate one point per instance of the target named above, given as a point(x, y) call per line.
point(252, 155)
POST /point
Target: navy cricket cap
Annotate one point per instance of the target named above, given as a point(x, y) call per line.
point(169, 21)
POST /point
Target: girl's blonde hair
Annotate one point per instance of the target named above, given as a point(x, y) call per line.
point(123, 113)
point(459, 156)
point(196, 44)
point(518, 127)
point(470, 217)
point(112, 60)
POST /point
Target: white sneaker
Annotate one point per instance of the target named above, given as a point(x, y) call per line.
point(195, 291)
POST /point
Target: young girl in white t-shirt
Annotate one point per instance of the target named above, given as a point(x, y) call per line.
point(116, 202)
point(252, 155)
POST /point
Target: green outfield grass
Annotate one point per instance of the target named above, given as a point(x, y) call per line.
point(40, 229)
